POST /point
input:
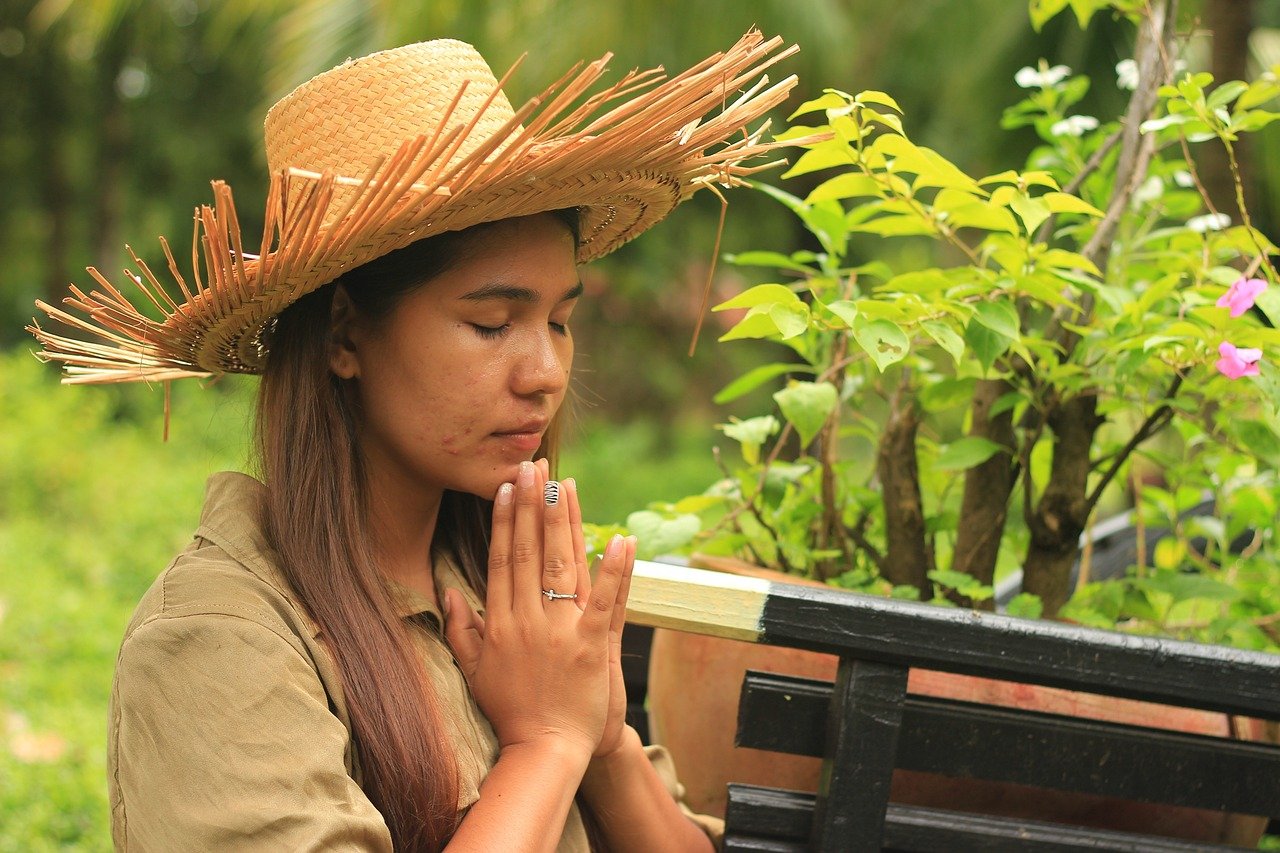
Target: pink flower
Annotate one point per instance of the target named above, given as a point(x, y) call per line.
point(1237, 362)
point(1242, 294)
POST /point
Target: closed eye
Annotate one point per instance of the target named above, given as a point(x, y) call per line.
point(490, 332)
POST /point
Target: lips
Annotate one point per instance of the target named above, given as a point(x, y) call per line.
point(526, 436)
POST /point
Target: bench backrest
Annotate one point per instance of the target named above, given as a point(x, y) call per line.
point(866, 724)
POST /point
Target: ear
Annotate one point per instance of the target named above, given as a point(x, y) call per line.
point(343, 359)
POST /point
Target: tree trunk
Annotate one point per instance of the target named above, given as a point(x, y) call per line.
point(908, 557)
point(112, 144)
point(49, 123)
point(984, 508)
point(1231, 22)
point(1062, 513)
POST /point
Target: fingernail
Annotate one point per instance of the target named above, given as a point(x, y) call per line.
point(615, 544)
point(444, 600)
point(504, 494)
point(570, 484)
point(551, 493)
point(526, 474)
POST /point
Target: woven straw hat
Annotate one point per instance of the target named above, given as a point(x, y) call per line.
point(397, 146)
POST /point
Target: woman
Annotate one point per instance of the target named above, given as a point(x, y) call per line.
point(289, 681)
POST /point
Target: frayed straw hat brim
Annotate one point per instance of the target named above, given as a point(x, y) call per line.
point(437, 148)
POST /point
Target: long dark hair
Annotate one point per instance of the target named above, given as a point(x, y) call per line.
point(310, 460)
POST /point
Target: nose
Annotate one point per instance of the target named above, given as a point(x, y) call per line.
point(543, 365)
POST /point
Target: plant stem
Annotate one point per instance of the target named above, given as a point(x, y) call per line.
point(984, 508)
point(908, 559)
point(1159, 417)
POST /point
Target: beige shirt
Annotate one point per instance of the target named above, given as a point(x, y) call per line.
point(228, 725)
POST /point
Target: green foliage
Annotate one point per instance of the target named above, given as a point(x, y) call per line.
point(95, 504)
point(1062, 282)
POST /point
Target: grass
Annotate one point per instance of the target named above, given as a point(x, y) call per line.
point(93, 505)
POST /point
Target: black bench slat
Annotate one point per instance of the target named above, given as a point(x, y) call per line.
point(770, 819)
point(909, 633)
point(789, 714)
point(861, 741)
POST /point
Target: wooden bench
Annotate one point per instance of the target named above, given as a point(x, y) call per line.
point(865, 723)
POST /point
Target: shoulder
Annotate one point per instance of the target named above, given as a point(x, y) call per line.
point(206, 581)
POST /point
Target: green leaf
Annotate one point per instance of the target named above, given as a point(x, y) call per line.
point(848, 185)
point(1065, 203)
point(1253, 120)
point(944, 336)
point(1032, 211)
point(918, 281)
point(883, 340)
point(946, 393)
point(967, 452)
point(1043, 10)
point(930, 168)
point(1024, 605)
point(774, 260)
point(1006, 402)
point(1226, 93)
point(896, 226)
point(751, 434)
point(1062, 259)
point(772, 319)
point(1258, 93)
point(756, 377)
point(1260, 439)
point(659, 534)
point(828, 101)
point(962, 583)
point(999, 317)
point(987, 345)
point(807, 405)
point(824, 155)
point(760, 295)
point(845, 310)
point(871, 96)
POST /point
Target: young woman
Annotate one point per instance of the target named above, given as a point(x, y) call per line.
point(392, 639)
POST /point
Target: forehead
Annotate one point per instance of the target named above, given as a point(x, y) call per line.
point(532, 251)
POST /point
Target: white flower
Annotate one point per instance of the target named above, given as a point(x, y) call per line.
point(1074, 126)
point(1183, 179)
point(1032, 78)
point(1208, 222)
point(1149, 191)
point(1127, 74)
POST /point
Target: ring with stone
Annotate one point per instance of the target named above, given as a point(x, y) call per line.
point(552, 595)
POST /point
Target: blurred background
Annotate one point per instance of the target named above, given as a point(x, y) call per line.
point(115, 114)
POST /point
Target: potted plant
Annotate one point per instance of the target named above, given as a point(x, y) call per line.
point(940, 421)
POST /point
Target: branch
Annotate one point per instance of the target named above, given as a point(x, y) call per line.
point(1155, 421)
point(859, 536)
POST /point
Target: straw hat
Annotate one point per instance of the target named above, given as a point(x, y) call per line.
point(402, 144)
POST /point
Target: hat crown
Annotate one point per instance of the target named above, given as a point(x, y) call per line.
point(354, 116)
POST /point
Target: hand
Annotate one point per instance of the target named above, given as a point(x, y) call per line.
point(539, 668)
point(611, 739)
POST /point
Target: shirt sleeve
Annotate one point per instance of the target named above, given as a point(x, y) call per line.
point(222, 738)
point(660, 757)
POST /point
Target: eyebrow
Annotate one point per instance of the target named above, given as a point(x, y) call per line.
point(517, 293)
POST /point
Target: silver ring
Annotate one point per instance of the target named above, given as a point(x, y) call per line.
point(552, 595)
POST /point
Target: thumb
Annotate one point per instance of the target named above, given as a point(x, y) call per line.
point(464, 631)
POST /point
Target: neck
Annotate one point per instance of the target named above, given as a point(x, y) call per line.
point(403, 523)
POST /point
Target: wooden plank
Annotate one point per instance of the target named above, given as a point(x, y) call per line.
point(696, 600)
point(1216, 678)
point(892, 631)
point(924, 830)
point(862, 725)
point(768, 816)
point(789, 714)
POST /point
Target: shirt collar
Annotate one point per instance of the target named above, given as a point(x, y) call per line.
point(232, 519)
